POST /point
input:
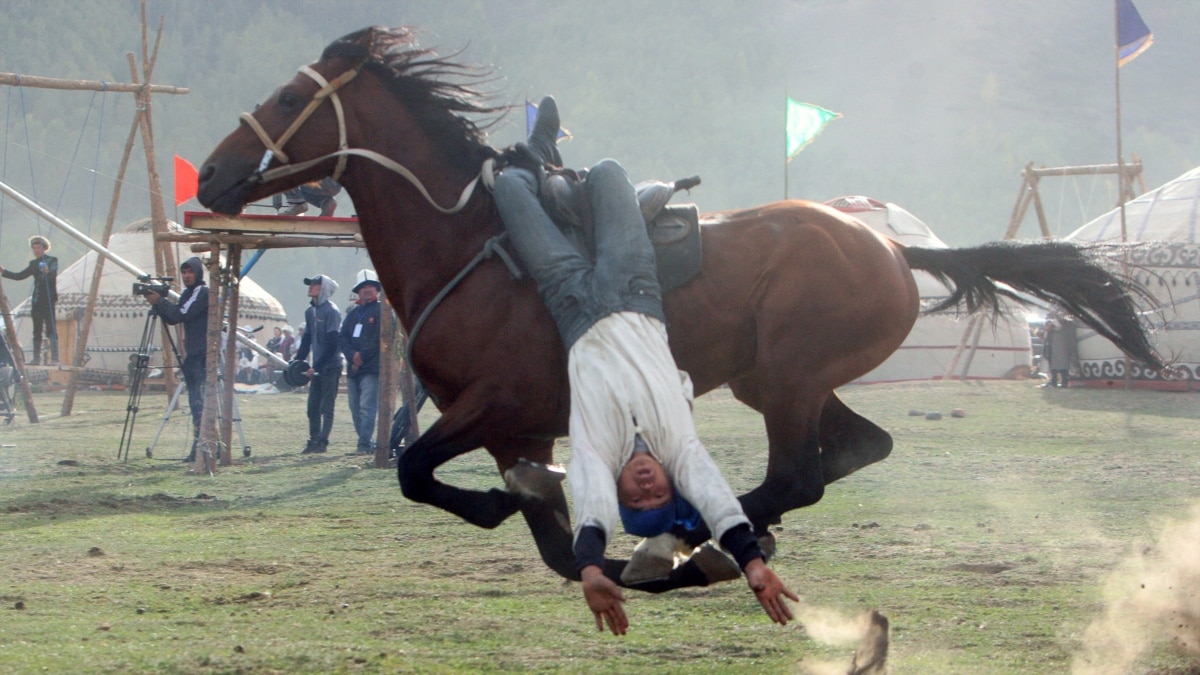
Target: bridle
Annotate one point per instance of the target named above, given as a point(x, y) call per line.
point(274, 150)
point(329, 91)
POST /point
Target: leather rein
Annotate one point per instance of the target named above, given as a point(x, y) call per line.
point(329, 91)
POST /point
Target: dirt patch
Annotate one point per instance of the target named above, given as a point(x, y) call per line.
point(113, 503)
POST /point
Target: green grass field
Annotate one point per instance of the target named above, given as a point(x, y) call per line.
point(991, 542)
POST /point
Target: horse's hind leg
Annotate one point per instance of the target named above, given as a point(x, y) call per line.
point(416, 464)
point(849, 441)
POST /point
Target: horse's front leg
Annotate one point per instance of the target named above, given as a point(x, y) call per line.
point(442, 442)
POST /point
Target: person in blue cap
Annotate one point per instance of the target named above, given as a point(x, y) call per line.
point(636, 457)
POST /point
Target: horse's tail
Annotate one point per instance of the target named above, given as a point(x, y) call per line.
point(1060, 273)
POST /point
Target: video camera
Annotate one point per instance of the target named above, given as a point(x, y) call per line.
point(148, 284)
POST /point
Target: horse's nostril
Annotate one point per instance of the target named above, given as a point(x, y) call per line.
point(207, 172)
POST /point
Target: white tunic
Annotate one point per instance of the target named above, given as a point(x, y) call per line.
point(620, 370)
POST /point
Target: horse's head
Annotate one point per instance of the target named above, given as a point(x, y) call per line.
point(312, 125)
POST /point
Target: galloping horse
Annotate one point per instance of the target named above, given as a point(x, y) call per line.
point(794, 299)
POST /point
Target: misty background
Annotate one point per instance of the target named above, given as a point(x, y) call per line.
point(943, 101)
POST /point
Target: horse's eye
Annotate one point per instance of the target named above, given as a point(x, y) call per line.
point(288, 99)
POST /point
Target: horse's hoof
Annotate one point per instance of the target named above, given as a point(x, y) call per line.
point(533, 479)
point(766, 542)
point(715, 565)
point(652, 560)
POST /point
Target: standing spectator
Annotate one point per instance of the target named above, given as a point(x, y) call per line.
point(359, 343)
point(287, 346)
point(321, 321)
point(44, 270)
point(192, 312)
point(1061, 347)
point(273, 347)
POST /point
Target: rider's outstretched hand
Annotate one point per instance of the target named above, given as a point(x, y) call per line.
point(770, 591)
point(605, 600)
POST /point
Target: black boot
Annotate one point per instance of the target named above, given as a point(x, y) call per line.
point(543, 140)
point(326, 429)
point(192, 455)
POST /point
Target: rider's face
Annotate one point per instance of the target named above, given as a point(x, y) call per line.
point(643, 483)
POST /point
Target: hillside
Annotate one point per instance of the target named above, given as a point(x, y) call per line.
point(943, 102)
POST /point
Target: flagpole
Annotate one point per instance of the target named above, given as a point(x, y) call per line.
point(1117, 78)
point(1120, 161)
point(785, 143)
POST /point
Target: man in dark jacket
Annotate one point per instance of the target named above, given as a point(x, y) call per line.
point(359, 343)
point(192, 312)
point(322, 320)
point(44, 270)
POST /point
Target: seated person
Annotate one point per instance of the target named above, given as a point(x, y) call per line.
point(319, 193)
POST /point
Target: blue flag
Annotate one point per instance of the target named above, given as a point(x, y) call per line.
point(1133, 35)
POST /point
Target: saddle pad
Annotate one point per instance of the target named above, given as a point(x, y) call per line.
point(675, 233)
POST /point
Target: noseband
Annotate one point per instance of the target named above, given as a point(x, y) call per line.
point(275, 148)
point(328, 90)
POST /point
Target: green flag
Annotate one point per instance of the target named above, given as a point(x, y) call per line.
point(804, 122)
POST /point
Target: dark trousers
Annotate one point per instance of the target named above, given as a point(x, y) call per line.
point(322, 390)
point(195, 373)
point(43, 323)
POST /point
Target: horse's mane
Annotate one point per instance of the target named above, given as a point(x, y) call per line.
point(440, 92)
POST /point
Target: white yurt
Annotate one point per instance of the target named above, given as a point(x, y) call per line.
point(119, 319)
point(945, 344)
point(1165, 221)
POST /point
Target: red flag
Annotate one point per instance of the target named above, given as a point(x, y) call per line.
point(187, 180)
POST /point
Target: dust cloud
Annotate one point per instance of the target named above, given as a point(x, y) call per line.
point(1153, 597)
point(868, 630)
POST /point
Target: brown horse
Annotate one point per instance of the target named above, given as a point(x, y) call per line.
point(793, 301)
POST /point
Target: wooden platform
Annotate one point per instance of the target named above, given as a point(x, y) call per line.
point(265, 231)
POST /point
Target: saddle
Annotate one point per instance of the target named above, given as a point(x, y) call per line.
point(674, 229)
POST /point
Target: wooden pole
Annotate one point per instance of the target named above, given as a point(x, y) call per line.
point(206, 457)
point(408, 393)
point(18, 356)
point(38, 82)
point(85, 327)
point(389, 375)
point(1030, 192)
point(974, 349)
point(232, 283)
point(164, 257)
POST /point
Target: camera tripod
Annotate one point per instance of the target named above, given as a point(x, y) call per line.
point(140, 365)
point(171, 407)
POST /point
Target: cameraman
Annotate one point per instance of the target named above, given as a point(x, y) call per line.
point(192, 312)
point(44, 270)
